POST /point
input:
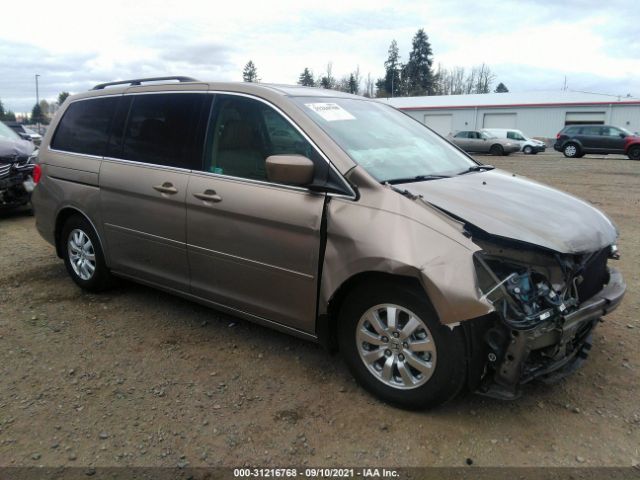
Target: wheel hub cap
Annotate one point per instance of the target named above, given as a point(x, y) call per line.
point(396, 346)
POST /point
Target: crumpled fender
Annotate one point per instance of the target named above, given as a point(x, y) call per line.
point(387, 232)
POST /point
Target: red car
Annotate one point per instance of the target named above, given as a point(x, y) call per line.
point(632, 147)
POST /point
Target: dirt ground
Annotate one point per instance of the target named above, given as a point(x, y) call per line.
point(139, 377)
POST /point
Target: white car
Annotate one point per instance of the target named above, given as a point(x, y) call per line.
point(527, 145)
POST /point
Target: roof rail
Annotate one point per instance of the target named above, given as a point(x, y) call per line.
point(138, 81)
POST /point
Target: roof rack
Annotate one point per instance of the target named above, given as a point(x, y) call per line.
point(138, 81)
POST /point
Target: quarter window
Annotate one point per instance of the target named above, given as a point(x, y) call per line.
point(84, 127)
point(243, 132)
point(162, 129)
point(462, 135)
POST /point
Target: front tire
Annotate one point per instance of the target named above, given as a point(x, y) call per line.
point(527, 150)
point(83, 255)
point(397, 349)
point(634, 152)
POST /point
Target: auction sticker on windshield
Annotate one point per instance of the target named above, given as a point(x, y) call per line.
point(330, 111)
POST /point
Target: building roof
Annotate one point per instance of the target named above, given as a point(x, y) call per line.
point(509, 99)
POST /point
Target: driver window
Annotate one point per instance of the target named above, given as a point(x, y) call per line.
point(243, 132)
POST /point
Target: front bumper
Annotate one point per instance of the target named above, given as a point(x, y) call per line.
point(553, 350)
point(537, 148)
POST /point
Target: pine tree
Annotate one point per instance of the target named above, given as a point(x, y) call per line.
point(501, 88)
point(391, 82)
point(250, 72)
point(328, 81)
point(36, 114)
point(306, 78)
point(419, 78)
point(352, 85)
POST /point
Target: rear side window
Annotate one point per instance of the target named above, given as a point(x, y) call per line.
point(84, 128)
point(572, 130)
point(162, 130)
point(462, 135)
point(591, 130)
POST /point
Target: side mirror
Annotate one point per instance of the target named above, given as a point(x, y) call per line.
point(622, 135)
point(290, 169)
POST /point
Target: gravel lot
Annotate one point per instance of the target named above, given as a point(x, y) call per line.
point(139, 377)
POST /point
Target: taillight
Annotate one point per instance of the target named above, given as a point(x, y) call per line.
point(37, 173)
point(558, 136)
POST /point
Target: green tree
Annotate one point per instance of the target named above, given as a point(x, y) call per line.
point(9, 116)
point(389, 86)
point(328, 80)
point(352, 85)
point(36, 114)
point(2, 113)
point(417, 73)
point(62, 96)
point(501, 88)
point(250, 72)
point(306, 78)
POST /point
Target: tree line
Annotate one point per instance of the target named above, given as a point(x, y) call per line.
point(41, 112)
point(415, 77)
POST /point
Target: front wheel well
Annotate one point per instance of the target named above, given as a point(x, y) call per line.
point(64, 215)
point(327, 329)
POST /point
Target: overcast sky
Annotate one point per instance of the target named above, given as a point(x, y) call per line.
point(529, 45)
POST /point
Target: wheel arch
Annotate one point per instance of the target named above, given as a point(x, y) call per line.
point(327, 323)
point(61, 218)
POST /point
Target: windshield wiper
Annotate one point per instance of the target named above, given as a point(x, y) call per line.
point(477, 168)
point(417, 178)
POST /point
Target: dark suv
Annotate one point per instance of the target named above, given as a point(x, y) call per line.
point(578, 140)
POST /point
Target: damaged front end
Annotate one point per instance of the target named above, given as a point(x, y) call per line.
point(546, 307)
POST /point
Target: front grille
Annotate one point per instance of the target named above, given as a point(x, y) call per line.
point(4, 169)
point(594, 275)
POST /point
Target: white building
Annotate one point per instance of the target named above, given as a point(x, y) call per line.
point(537, 114)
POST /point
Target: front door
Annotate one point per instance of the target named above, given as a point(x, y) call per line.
point(254, 245)
point(143, 186)
point(613, 139)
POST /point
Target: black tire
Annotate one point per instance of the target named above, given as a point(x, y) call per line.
point(496, 150)
point(449, 374)
point(528, 150)
point(101, 277)
point(634, 152)
point(571, 150)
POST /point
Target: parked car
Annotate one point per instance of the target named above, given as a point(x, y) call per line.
point(527, 145)
point(335, 218)
point(483, 142)
point(25, 133)
point(574, 141)
point(16, 167)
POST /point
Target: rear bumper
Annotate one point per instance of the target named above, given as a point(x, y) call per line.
point(552, 351)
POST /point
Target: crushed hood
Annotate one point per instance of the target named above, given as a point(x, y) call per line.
point(15, 148)
point(508, 206)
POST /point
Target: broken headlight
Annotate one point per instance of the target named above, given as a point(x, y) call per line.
point(522, 297)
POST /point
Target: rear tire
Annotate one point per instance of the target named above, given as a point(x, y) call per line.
point(413, 361)
point(83, 255)
point(496, 150)
point(634, 152)
point(571, 150)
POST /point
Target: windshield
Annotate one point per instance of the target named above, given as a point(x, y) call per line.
point(6, 132)
point(385, 142)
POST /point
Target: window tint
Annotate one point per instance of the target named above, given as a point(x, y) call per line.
point(515, 136)
point(243, 132)
point(162, 130)
point(84, 128)
point(611, 131)
point(590, 130)
point(462, 135)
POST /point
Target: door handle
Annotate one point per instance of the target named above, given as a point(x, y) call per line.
point(166, 187)
point(208, 196)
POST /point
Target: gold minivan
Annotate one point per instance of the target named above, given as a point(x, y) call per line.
point(332, 217)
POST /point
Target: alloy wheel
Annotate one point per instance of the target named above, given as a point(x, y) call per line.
point(82, 255)
point(396, 346)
